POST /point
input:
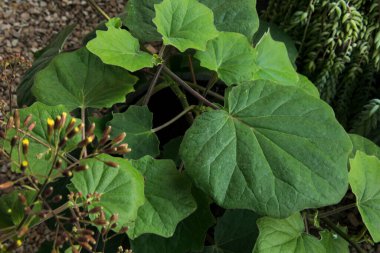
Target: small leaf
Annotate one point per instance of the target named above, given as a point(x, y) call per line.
point(80, 79)
point(12, 210)
point(235, 232)
point(238, 16)
point(364, 145)
point(273, 62)
point(189, 235)
point(168, 198)
point(136, 122)
point(39, 166)
point(24, 94)
point(274, 150)
point(171, 150)
point(285, 236)
point(231, 56)
point(278, 35)
point(139, 19)
point(364, 179)
point(118, 47)
point(122, 188)
point(185, 24)
point(334, 243)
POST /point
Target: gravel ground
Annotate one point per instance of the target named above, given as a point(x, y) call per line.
point(26, 26)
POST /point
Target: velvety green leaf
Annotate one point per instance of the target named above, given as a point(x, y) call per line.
point(307, 86)
point(139, 19)
point(364, 145)
point(80, 79)
point(24, 94)
point(273, 62)
point(168, 198)
point(285, 236)
point(171, 150)
point(118, 47)
point(235, 232)
point(122, 188)
point(274, 150)
point(235, 16)
point(364, 180)
point(231, 56)
point(278, 35)
point(40, 158)
point(189, 236)
point(136, 122)
point(185, 24)
point(334, 243)
point(12, 210)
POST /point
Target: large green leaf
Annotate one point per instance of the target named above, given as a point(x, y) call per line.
point(235, 232)
point(285, 236)
point(235, 16)
point(80, 79)
point(136, 122)
point(12, 210)
point(139, 19)
point(122, 188)
point(361, 143)
point(40, 157)
point(231, 56)
point(364, 180)
point(118, 47)
point(168, 198)
point(334, 243)
point(185, 24)
point(274, 150)
point(24, 94)
point(273, 62)
point(189, 236)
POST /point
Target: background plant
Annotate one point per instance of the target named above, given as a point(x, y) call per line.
point(269, 152)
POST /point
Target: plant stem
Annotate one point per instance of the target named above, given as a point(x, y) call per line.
point(155, 78)
point(182, 99)
point(188, 88)
point(192, 69)
point(337, 210)
point(209, 86)
point(98, 9)
point(342, 234)
point(188, 109)
point(211, 93)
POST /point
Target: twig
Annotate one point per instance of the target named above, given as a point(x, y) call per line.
point(188, 88)
point(98, 9)
point(173, 119)
point(342, 234)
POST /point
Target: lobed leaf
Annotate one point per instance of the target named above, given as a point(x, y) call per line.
point(364, 179)
point(80, 80)
point(274, 150)
point(185, 24)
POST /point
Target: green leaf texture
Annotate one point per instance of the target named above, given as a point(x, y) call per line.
point(274, 150)
point(238, 16)
point(189, 236)
point(79, 79)
point(185, 24)
point(231, 56)
point(136, 122)
point(273, 62)
point(285, 236)
point(122, 188)
point(168, 198)
point(118, 47)
point(364, 180)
